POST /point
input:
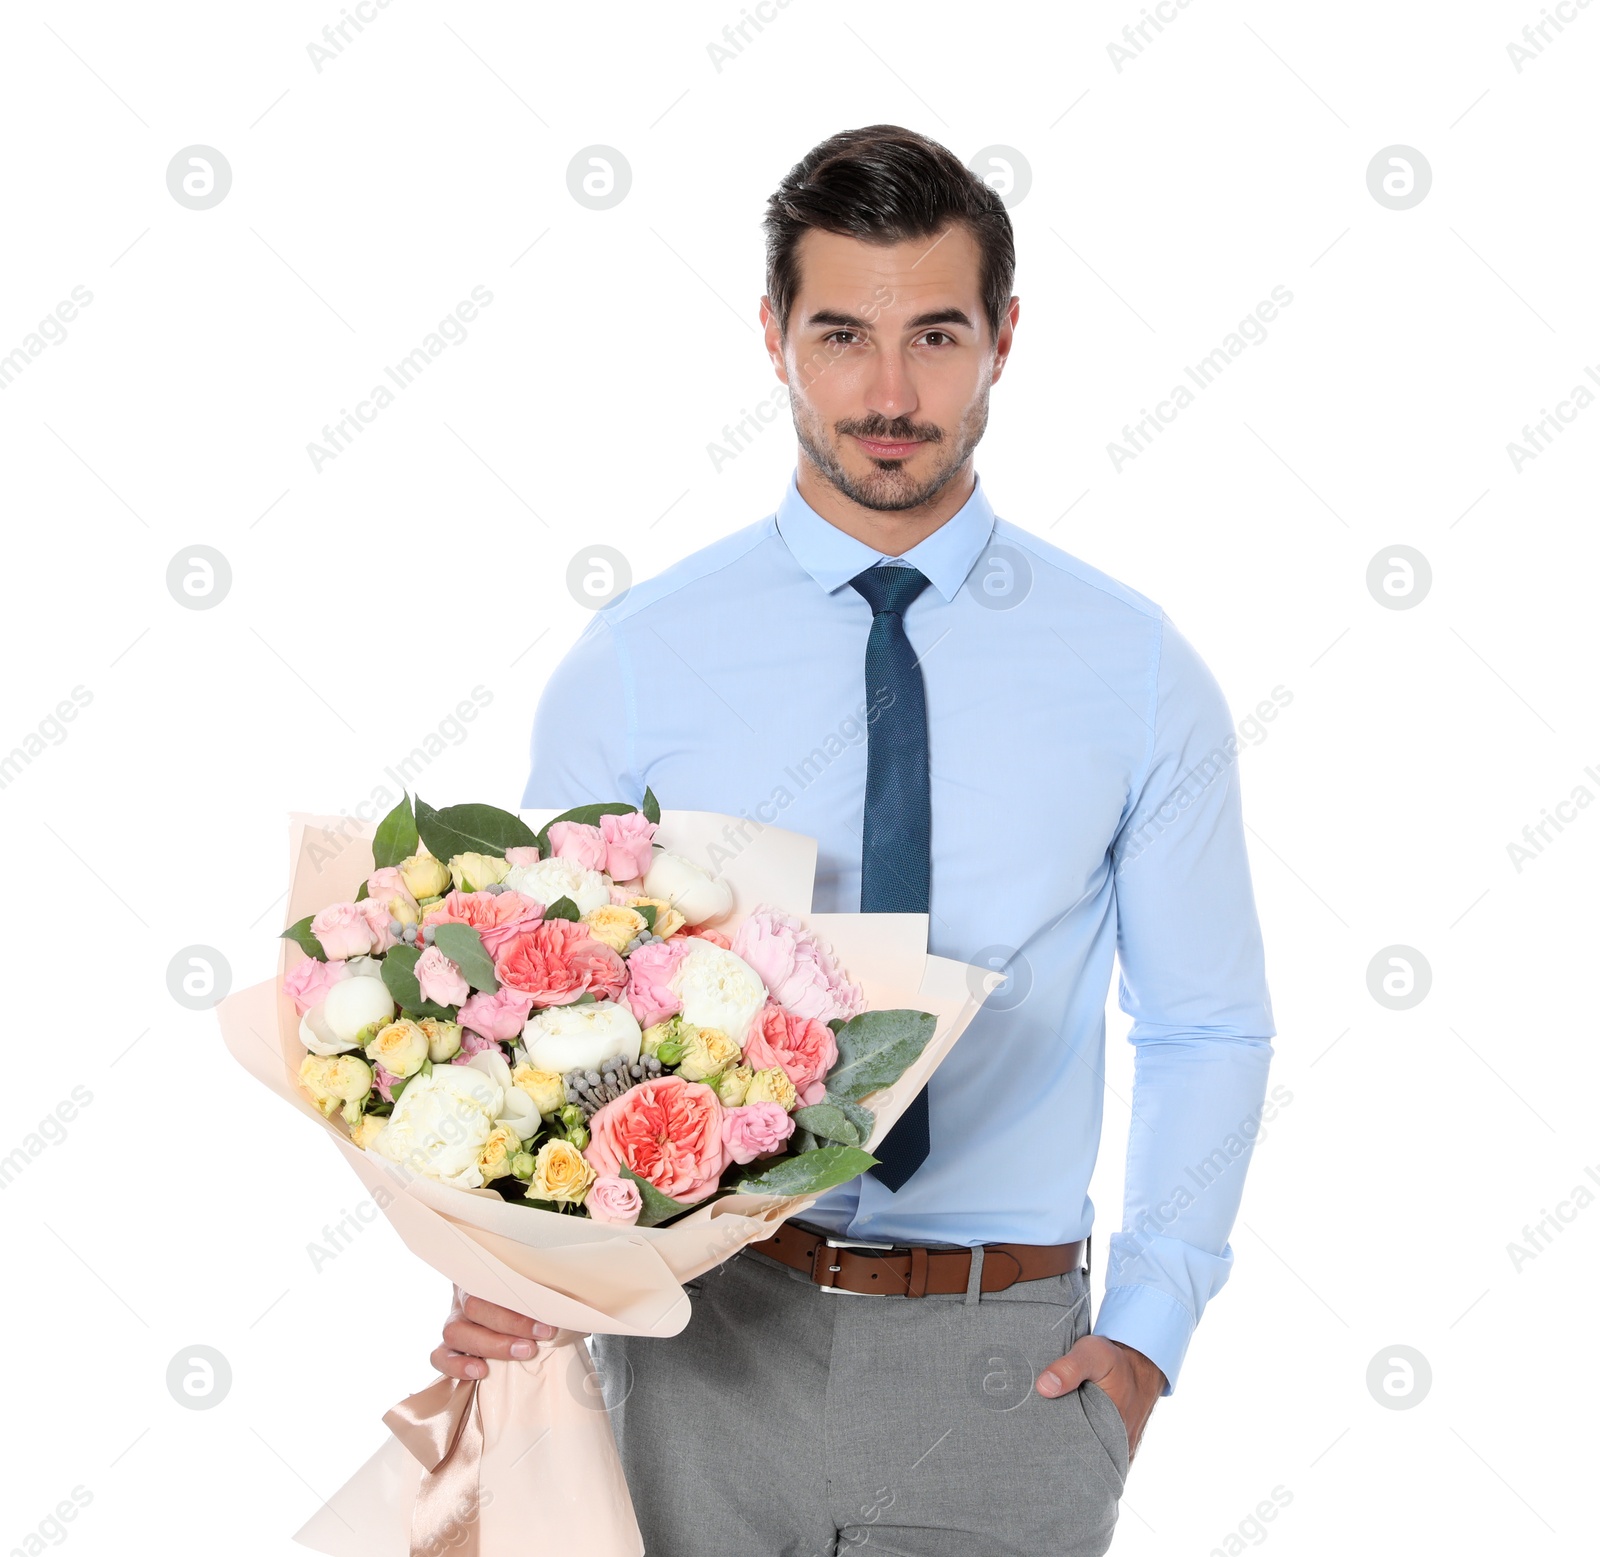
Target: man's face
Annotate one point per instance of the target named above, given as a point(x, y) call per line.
point(889, 359)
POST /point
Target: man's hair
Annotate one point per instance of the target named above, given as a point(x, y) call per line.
point(885, 184)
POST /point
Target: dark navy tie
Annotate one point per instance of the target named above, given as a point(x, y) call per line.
point(897, 818)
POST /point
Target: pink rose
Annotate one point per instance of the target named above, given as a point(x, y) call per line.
point(501, 1015)
point(307, 982)
point(342, 930)
point(496, 916)
point(388, 886)
point(523, 854)
point(384, 1081)
point(627, 838)
point(802, 1046)
point(649, 994)
point(440, 979)
point(579, 842)
point(754, 1129)
point(558, 960)
point(474, 1043)
point(379, 922)
point(615, 1200)
point(668, 1131)
point(796, 966)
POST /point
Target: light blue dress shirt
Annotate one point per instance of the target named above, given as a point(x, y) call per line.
point(1085, 798)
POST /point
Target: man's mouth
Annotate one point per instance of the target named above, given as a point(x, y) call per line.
point(888, 448)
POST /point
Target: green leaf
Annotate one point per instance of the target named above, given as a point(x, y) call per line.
point(470, 829)
point(811, 1172)
point(464, 947)
point(400, 979)
point(801, 1141)
point(361, 893)
point(538, 1205)
point(657, 1207)
point(862, 1118)
point(396, 838)
point(651, 806)
point(589, 815)
point(875, 1048)
point(562, 908)
point(300, 933)
point(647, 912)
point(835, 1023)
point(829, 1121)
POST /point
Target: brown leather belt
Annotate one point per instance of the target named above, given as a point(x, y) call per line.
point(902, 1270)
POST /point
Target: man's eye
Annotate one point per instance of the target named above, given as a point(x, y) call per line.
point(835, 334)
point(938, 337)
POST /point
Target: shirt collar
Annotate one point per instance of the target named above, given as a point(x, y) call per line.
point(833, 558)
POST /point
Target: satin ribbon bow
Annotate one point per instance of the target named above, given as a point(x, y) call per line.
point(441, 1428)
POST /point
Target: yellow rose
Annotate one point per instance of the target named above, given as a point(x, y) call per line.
point(336, 1080)
point(614, 926)
point(400, 1048)
point(367, 1129)
point(732, 1086)
point(560, 1172)
point(707, 1051)
point(444, 1039)
point(494, 1156)
point(423, 875)
point(772, 1086)
point(474, 872)
point(665, 1039)
point(668, 920)
point(545, 1087)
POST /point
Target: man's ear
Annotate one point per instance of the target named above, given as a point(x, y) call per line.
point(1002, 341)
point(774, 340)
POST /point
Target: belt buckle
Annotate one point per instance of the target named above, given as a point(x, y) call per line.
point(846, 1243)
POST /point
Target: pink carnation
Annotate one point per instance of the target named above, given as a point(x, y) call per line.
point(501, 1015)
point(342, 930)
point(523, 854)
point(668, 1131)
point(584, 845)
point(615, 1200)
point(796, 966)
point(307, 982)
point(440, 979)
point(558, 960)
point(649, 994)
point(755, 1129)
point(627, 838)
point(801, 1046)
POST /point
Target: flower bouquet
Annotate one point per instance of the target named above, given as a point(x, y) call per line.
point(575, 1067)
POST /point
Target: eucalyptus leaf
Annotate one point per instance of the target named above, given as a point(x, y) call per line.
point(464, 947)
point(657, 1207)
point(830, 1122)
point(396, 838)
point(470, 829)
point(810, 1172)
point(862, 1118)
point(875, 1048)
point(562, 908)
point(300, 933)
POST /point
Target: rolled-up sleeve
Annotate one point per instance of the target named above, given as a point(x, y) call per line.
point(1193, 980)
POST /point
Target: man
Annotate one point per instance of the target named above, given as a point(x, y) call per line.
point(974, 724)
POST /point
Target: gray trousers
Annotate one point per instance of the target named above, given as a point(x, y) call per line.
point(787, 1421)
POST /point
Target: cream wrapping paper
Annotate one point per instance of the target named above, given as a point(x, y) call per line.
point(548, 1457)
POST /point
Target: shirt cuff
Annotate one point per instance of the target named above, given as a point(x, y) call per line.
point(1150, 1321)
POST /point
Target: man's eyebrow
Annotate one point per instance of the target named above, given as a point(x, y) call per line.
point(836, 320)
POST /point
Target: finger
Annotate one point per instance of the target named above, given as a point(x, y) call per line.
point(1090, 1359)
point(507, 1320)
point(462, 1335)
point(457, 1365)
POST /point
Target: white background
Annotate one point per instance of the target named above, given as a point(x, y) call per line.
point(369, 598)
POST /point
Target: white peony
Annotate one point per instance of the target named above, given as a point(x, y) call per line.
point(517, 1110)
point(439, 1123)
point(563, 1038)
point(689, 888)
point(553, 878)
point(330, 1027)
point(718, 989)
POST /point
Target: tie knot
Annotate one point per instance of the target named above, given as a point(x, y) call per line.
point(890, 589)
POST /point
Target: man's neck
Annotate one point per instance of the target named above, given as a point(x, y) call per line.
point(891, 532)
